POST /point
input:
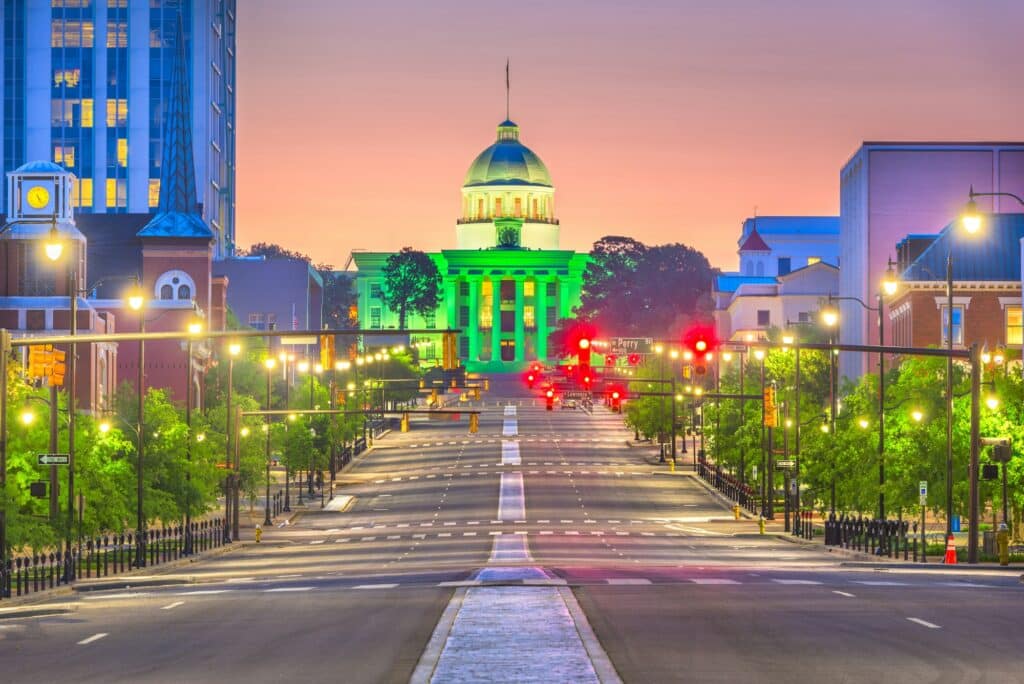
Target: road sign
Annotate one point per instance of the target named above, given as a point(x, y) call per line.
point(922, 490)
point(785, 464)
point(631, 345)
point(54, 459)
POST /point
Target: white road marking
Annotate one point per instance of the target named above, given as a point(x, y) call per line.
point(170, 606)
point(203, 592)
point(713, 580)
point(511, 502)
point(94, 637)
point(869, 583)
point(375, 586)
point(795, 581)
point(126, 595)
point(510, 452)
point(923, 623)
point(284, 589)
point(843, 593)
point(342, 541)
point(625, 581)
point(316, 541)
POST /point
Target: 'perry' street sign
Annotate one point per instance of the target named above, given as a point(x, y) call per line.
point(54, 459)
point(632, 345)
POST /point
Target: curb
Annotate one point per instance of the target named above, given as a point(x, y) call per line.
point(37, 611)
point(935, 567)
point(128, 582)
point(744, 513)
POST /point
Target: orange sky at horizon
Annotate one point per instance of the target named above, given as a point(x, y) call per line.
point(666, 121)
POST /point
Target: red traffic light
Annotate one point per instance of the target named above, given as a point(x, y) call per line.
point(701, 339)
point(530, 377)
point(550, 394)
point(584, 343)
point(616, 395)
point(634, 359)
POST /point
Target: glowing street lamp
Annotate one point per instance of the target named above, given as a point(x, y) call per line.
point(917, 415)
point(830, 317)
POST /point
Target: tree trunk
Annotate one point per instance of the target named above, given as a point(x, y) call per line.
point(401, 317)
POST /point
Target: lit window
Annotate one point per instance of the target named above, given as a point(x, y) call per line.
point(1014, 326)
point(117, 112)
point(958, 328)
point(529, 317)
point(83, 192)
point(497, 206)
point(813, 260)
point(528, 288)
point(67, 77)
point(71, 33)
point(375, 317)
point(486, 316)
point(86, 113)
point(65, 155)
point(487, 288)
point(480, 208)
point(154, 192)
point(122, 151)
point(117, 34)
point(534, 207)
point(517, 209)
point(117, 193)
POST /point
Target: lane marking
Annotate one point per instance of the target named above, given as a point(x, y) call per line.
point(511, 501)
point(203, 592)
point(626, 581)
point(880, 583)
point(171, 606)
point(128, 595)
point(284, 589)
point(923, 623)
point(843, 593)
point(713, 580)
point(795, 581)
point(94, 637)
point(375, 586)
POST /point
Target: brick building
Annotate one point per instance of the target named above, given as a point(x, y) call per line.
point(986, 287)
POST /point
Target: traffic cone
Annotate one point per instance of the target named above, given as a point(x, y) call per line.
point(950, 551)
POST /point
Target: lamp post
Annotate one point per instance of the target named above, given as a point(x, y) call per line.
point(269, 364)
point(136, 300)
point(303, 367)
point(285, 358)
point(830, 317)
point(231, 476)
point(759, 355)
point(194, 328)
point(314, 371)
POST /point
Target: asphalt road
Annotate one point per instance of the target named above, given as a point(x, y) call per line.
point(673, 588)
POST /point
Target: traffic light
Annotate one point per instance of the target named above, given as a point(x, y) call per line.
point(40, 358)
point(530, 379)
point(617, 394)
point(57, 367)
point(450, 352)
point(586, 380)
point(701, 341)
point(549, 397)
point(633, 359)
point(474, 423)
point(769, 407)
point(583, 354)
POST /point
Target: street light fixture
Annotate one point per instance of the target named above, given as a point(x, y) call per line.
point(54, 246)
point(863, 422)
point(136, 299)
point(27, 417)
point(917, 415)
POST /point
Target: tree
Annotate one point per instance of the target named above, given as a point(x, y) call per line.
point(411, 283)
point(632, 289)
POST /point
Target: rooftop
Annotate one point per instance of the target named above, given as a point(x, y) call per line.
point(993, 254)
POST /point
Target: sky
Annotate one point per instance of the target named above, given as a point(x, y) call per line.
point(668, 120)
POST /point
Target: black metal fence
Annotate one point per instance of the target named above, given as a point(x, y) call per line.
point(728, 485)
point(874, 536)
point(104, 556)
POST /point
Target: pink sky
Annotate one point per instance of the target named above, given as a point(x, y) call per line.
point(666, 121)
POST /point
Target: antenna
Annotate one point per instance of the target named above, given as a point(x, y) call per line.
point(506, 90)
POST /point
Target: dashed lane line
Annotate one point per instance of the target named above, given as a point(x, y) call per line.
point(94, 637)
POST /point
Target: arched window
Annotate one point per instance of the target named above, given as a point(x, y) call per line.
point(175, 285)
point(760, 268)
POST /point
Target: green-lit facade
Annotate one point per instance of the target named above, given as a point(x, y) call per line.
point(507, 283)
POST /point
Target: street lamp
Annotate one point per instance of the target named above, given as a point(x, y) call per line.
point(269, 364)
point(231, 478)
point(194, 328)
point(136, 299)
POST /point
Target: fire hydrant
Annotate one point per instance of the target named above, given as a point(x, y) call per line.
point(672, 466)
point(1003, 543)
point(736, 511)
point(760, 524)
point(259, 534)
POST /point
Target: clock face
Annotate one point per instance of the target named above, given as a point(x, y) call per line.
point(38, 197)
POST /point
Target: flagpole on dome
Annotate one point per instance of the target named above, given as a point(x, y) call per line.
point(507, 89)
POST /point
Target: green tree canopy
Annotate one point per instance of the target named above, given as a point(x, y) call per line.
point(411, 283)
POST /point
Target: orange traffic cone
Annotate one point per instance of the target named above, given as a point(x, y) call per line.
point(950, 551)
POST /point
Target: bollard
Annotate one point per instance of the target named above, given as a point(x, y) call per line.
point(760, 524)
point(736, 511)
point(259, 533)
point(672, 466)
point(1003, 542)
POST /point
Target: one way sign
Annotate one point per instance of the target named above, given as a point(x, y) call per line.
point(54, 459)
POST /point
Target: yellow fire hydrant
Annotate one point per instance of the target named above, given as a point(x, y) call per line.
point(760, 524)
point(671, 466)
point(259, 533)
point(736, 511)
point(1003, 543)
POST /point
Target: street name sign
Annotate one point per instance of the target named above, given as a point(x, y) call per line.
point(784, 464)
point(632, 345)
point(54, 459)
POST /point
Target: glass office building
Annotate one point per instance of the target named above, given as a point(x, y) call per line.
point(86, 84)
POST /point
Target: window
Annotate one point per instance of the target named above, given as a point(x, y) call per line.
point(463, 316)
point(67, 77)
point(154, 192)
point(759, 269)
point(534, 207)
point(551, 290)
point(517, 209)
point(486, 304)
point(166, 292)
point(813, 260)
point(122, 152)
point(529, 317)
point(83, 192)
point(508, 321)
point(117, 193)
point(508, 291)
point(117, 34)
point(375, 317)
point(784, 265)
point(497, 206)
point(804, 317)
point(257, 321)
point(184, 292)
point(529, 288)
point(551, 317)
point(68, 33)
point(430, 320)
point(958, 327)
point(175, 285)
point(764, 318)
point(85, 113)
point(463, 346)
point(117, 113)
point(508, 350)
point(1014, 326)
point(464, 288)
point(375, 290)
point(64, 155)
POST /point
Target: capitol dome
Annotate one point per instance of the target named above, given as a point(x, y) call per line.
point(507, 162)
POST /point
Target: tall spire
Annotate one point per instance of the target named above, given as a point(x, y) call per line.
point(178, 210)
point(507, 90)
